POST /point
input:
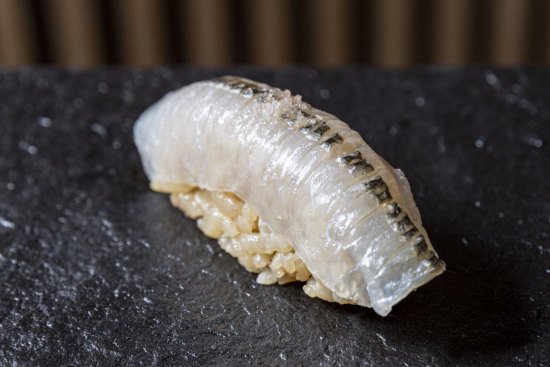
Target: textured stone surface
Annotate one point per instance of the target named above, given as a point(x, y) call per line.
point(97, 269)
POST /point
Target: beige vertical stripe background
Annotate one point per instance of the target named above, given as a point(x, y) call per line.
point(16, 41)
point(331, 31)
point(509, 31)
point(452, 31)
point(142, 38)
point(391, 33)
point(74, 28)
point(271, 36)
point(207, 31)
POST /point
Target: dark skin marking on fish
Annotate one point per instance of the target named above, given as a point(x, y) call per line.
point(406, 221)
point(321, 129)
point(317, 133)
point(360, 167)
point(421, 246)
point(236, 85)
point(394, 211)
point(383, 196)
point(355, 163)
point(435, 262)
point(245, 87)
point(312, 119)
point(404, 225)
point(307, 115)
point(348, 158)
point(311, 126)
point(315, 130)
point(330, 142)
point(247, 92)
point(374, 183)
point(379, 189)
point(251, 90)
point(291, 116)
point(410, 233)
point(268, 96)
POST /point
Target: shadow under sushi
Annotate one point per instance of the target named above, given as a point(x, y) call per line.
point(475, 307)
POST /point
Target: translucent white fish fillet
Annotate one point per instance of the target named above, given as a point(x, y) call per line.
point(349, 215)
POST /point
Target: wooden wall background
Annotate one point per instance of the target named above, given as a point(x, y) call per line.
point(273, 32)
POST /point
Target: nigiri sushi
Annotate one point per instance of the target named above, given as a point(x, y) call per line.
point(289, 190)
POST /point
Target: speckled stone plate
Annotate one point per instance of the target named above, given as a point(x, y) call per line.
point(97, 269)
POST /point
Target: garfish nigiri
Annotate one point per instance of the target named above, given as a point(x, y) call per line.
point(291, 191)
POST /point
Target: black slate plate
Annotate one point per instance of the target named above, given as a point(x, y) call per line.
point(97, 269)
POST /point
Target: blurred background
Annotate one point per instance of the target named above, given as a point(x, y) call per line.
point(274, 32)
